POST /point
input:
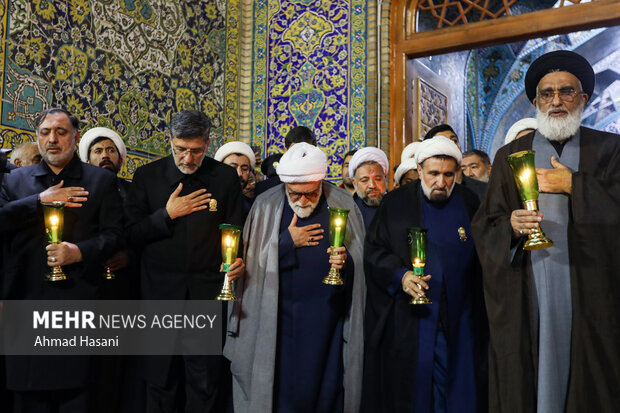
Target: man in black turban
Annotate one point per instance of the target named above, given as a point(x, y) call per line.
point(554, 314)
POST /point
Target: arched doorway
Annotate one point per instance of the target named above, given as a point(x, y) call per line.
point(408, 43)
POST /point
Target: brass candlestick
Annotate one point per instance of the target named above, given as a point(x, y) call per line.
point(337, 232)
point(54, 216)
point(108, 274)
point(230, 245)
point(417, 253)
point(524, 170)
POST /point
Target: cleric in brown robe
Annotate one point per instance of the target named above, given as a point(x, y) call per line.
point(554, 314)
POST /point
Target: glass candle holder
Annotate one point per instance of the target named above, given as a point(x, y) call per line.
point(54, 217)
point(337, 233)
point(524, 171)
point(416, 238)
point(231, 235)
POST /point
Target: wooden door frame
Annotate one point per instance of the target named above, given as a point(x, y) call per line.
point(406, 45)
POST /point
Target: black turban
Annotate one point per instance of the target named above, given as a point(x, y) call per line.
point(267, 167)
point(560, 60)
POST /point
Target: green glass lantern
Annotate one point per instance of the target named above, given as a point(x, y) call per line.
point(54, 216)
point(231, 234)
point(337, 233)
point(524, 171)
point(417, 253)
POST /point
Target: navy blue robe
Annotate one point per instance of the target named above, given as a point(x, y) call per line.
point(368, 212)
point(309, 365)
point(450, 261)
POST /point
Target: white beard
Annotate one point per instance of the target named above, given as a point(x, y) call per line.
point(427, 191)
point(301, 211)
point(559, 129)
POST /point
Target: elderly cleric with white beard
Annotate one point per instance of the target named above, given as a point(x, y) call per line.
point(291, 337)
point(553, 313)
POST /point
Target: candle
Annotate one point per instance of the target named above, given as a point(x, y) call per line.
point(525, 176)
point(54, 229)
point(229, 250)
point(338, 232)
point(418, 266)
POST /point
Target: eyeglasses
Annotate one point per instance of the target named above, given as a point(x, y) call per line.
point(310, 196)
point(567, 94)
point(184, 151)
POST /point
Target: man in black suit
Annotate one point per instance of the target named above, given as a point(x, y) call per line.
point(92, 229)
point(174, 211)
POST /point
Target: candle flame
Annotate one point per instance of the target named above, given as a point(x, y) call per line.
point(416, 261)
point(338, 222)
point(54, 220)
point(525, 176)
point(228, 241)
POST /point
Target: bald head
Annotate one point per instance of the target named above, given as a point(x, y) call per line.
point(26, 154)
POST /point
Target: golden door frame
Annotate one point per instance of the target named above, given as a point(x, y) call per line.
point(407, 44)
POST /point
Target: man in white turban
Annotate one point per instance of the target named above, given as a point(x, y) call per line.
point(291, 338)
point(439, 347)
point(104, 148)
point(368, 170)
point(474, 185)
point(240, 156)
point(520, 128)
point(406, 172)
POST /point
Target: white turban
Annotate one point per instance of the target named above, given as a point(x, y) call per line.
point(518, 127)
point(438, 145)
point(409, 151)
point(99, 132)
point(302, 163)
point(236, 147)
point(404, 167)
point(368, 155)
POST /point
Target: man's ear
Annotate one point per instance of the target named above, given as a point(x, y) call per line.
point(17, 162)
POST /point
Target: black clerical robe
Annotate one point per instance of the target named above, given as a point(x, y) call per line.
point(394, 328)
point(593, 244)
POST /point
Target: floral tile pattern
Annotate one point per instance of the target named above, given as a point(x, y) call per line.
point(125, 64)
point(310, 69)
